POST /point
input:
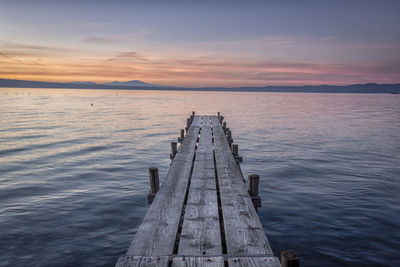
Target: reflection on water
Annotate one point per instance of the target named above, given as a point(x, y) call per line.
point(73, 176)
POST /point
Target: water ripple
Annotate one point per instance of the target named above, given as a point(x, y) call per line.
point(73, 177)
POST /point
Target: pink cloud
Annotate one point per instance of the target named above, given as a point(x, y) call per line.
point(57, 64)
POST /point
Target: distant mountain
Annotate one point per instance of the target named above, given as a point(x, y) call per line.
point(131, 83)
point(82, 83)
point(117, 83)
point(370, 88)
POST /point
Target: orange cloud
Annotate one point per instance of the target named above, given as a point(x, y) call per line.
point(19, 61)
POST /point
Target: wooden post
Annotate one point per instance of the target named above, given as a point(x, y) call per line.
point(154, 184)
point(180, 139)
point(235, 153)
point(221, 118)
point(253, 181)
point(219, 114)
point(235, 150)
point(193, 114)
point(229, 137)
point(224, 125)
point(188, 122)
point(174, 149)
point(290, 258)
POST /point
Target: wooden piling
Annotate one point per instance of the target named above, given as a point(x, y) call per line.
point(253, 181)
point(174, 149)
point(188, 122)
point(235, 150)
point(224, 125)
point(180, 139)
point(229, 137)
point(235, 153)
point(154, 184)
point(290, 258)
point(219, 114)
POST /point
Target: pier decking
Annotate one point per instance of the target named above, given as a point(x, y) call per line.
point(202, 215)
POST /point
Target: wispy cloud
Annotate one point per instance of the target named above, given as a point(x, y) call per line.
point(128, 56)
point(37, 62)
point(14, 46)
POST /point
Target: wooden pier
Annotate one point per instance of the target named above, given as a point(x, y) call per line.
point(203, 214)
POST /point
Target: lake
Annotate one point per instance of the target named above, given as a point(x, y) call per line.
point(74, 176)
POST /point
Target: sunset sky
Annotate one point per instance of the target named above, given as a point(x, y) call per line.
point(201, 43)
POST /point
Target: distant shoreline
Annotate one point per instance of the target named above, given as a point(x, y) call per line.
point(370, 88)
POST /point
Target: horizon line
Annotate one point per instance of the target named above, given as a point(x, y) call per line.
point(149, 85)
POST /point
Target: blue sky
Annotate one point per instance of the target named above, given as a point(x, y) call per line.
point(207, 43)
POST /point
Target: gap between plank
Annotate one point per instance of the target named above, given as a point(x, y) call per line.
point(221, 217)
point(179, 231)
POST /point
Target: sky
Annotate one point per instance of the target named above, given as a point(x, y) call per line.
point(201, 43)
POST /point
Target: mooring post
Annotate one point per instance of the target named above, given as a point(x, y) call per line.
point(193, 114)
point(229, 137)
point(187, 124)
point(219, 114)
point(174, 150)
point(180, 139)
point(154, 184)
point(224, 125)
point(290, 258)
point(235, 153)
point(253, 181)
point(235, 150)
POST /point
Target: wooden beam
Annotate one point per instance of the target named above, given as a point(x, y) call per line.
point(156, 235)
point(254, 262)
point(198, 262)
point(243, 229)
point(140, 261)
point(201, 230)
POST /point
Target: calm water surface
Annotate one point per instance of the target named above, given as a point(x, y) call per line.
point(73, 177)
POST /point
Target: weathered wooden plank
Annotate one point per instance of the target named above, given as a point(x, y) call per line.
point(198, 262)
point(154, 242)
point(201, 231)
point(184, 261)
point(156, 235)
point(141, 261)
point(243, 230)
point(254, 262)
